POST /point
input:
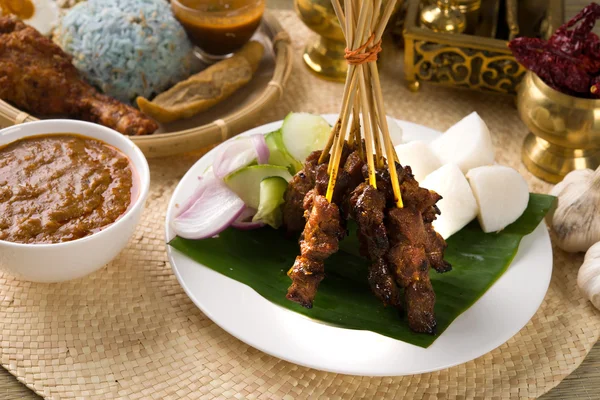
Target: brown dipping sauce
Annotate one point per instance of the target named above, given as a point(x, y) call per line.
point(219, 27)
point(58, 188)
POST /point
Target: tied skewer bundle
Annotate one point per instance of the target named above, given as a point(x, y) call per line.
point(394, 228)
point(363, 33)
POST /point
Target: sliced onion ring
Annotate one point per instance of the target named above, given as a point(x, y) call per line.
point(194, 197)
point(239, 153)
point(215, 208)
point(262, 151)
point(244, 221)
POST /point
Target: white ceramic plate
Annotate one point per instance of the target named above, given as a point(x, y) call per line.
point(500, 313)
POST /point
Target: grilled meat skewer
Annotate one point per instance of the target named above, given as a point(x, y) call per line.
point(298, 187)
point(320, 239)
point(406, 232)
point(324, 225)
point(400, 242)
point(367, 206)
point(424, 201)
point(305, 180)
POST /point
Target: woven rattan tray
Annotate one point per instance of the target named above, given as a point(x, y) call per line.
point(236, 114)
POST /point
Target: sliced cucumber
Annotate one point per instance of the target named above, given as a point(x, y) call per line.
point(271, 199)
point(245, 182)
point(303, 133)
point(278, 154)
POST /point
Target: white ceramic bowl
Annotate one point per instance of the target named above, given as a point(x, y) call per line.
point(75, 259)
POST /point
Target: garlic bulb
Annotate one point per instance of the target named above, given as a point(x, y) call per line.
point(575, 220)
point(588, 278)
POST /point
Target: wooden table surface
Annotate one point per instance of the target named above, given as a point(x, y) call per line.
point(583, 383)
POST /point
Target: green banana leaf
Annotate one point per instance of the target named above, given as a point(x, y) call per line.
point(261, 259)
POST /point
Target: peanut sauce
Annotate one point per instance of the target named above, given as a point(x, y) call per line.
point(58, 188)
point(222, 26)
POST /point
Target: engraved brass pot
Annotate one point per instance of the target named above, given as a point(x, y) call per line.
point(564, 130)
point(324, 54)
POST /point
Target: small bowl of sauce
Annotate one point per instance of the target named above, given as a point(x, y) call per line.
point(218, 27)
point(71, 195)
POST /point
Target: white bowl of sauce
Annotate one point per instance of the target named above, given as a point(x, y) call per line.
point(71, 195)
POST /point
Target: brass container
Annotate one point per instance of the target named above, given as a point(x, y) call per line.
point(324, 54)
point(564, 130)
point(474, 61)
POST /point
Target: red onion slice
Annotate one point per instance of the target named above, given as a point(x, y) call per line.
point(194, 197)
point(260, 145)
point(244, 221)
point(215, 208)
point(239, 153)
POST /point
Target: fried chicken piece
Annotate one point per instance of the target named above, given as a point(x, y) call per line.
point(321, 237)
point(38, 77)
point(407, 255)
point(367, 207)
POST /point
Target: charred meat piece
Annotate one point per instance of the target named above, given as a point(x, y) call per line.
point(37, 76)
point(367, 207)
point(353, 177)
point(320, 239)
point(301, 183)
point(420, 198)
point(435, 246)
point(314, 174)
point(424, 201)
point(343, 180)
point(353, 167)
point(407, 255)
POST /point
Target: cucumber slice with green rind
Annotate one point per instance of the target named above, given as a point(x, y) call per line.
point(269, 211)
point(278, 154)
point(303, 133)
point(245, 182)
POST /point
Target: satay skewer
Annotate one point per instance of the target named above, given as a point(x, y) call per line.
point(387, 142)
point(353, 38)
point(349, 88)
point(368, 133)
point(353, 137)
point(379, 161)
point(372, 105)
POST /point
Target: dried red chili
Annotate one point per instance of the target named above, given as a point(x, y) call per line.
point(570, 60)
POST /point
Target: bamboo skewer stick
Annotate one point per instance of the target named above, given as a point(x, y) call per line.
point(337, 7)
point(395, 154)
point(352, 137)
point(334, 161)
point(349, 25)
point(368, 133)
point(374, 125)
point(348, 89)
point(363, 33)
point(373, 119)
point(334, 132)
point(376, 14)
point(387, 142)
point(387, 14)
point(344, 117)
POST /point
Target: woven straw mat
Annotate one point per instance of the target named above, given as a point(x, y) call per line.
point(129, 330)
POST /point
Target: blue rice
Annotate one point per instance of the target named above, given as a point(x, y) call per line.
point(127, 48)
